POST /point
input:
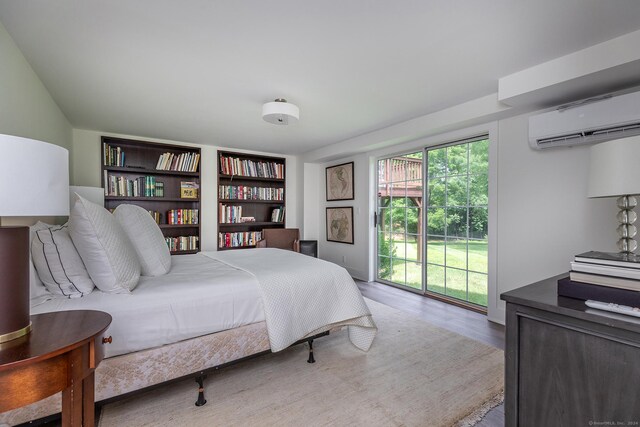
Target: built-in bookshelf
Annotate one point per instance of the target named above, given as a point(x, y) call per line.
point(164, 179)
point(251, 197)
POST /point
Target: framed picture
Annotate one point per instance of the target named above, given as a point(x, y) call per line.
point(340, 182)
point(340, 225)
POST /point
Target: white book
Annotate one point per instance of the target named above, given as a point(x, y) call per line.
point(606, 270)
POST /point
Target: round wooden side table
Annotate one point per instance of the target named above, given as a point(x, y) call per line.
point(60, 354)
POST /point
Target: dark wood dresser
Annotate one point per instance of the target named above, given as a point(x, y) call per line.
point(567, 364)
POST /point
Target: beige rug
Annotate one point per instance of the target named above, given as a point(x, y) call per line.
point(415, 374)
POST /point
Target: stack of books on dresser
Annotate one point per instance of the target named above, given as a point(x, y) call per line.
point(603, 276)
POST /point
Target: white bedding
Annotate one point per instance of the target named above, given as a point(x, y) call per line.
point(304, 296)
point(298, 296)
point(199, 296)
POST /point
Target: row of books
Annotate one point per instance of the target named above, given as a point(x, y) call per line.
point(112, 156)
point(182, 216)
point(602, 276)
point(239, 167)
point(144, 186)
point(243, 192)
point(277, 215)
point(182, 243)
point(229, 214)
point(157, 216)
point(239, 239)
point(185, 162)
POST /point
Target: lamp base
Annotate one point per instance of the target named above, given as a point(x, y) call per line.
point(14, 283)
point(15, 334)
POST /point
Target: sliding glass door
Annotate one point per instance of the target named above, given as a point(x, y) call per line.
point(454, 214)
point(457, 220)
point(399, 219)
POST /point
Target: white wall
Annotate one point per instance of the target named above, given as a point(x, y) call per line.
point(544, 215)
point(539, 209)
point(86, 157)
point(26, 107)
point(355, 258)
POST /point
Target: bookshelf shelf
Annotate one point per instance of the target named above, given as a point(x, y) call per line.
point(269, 224)
point(185, 252)
point(145, 171)
point(129, 167)
point(178, 225)
point(249, 178)
point(269, 182)
point(269, 202)
point(152, 199)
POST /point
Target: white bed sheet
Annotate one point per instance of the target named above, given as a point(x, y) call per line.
point(198, 296)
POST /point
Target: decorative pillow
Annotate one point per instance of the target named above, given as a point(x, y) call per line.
point(38, 293)
point(104, 247)
point(58, 264)
point(147, 239)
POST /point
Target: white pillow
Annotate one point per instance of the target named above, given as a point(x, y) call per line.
point(37, 292)
point(58, 264)
point(147, 239)
point(104, 247)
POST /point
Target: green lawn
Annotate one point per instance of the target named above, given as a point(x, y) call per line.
point(410, 272)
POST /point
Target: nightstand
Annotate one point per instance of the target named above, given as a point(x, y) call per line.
point(60, 354)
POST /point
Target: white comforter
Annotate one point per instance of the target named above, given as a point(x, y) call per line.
point(303, 296)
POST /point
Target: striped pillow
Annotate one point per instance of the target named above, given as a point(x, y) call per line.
point(58, 264)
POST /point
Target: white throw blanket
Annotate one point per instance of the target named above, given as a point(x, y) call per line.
point(303, 296)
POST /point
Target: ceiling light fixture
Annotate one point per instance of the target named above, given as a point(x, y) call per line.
point(280, 112)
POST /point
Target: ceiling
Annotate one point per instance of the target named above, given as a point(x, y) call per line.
point(200, 70)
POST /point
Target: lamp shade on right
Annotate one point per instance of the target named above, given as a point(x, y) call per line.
point(615, 168)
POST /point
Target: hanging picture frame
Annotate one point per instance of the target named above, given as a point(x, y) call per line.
point(340, 224)
point(339, 182)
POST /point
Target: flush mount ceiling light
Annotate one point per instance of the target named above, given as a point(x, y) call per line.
point(280, 112)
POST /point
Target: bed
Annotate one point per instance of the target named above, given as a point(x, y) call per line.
point(213, 308)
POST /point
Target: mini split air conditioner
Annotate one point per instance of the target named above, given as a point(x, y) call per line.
point(586, 122)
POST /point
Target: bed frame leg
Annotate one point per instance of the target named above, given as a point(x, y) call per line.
point(201, 400)
point(311, 358)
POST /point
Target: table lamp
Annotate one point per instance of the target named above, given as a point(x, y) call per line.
point(615, 172)
point(34, 181)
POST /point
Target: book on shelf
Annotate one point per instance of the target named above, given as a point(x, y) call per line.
point(610, 259)
point(182, 217)
point(586, 291)
point(277, 215)
point(144, 186)
point(606, 270)
point(112, 156)
point(183, 162)
point(189, 190)
point(157, 216)
point(611, 281)
point(250, 168)
point(244, 192)
point(239, 239)
point(182, 243)
point(228, 214)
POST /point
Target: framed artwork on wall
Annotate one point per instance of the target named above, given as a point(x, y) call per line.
point(340, 182)
point(340, 225)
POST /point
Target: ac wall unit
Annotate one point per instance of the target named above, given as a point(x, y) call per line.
point(586, 122)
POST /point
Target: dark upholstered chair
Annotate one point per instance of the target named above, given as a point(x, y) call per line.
point(281, 238)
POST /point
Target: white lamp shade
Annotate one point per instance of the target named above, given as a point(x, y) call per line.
point(34, 178)
point(615, 168)
point(280, 112)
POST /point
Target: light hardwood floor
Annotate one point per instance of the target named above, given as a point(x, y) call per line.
point(462, 321)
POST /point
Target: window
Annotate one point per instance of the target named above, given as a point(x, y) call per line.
point(457, 220)
point(400, 220)
point(453, 245)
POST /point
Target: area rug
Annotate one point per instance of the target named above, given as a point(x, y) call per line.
point(415, 374)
